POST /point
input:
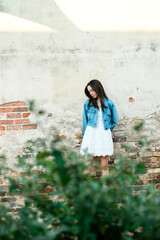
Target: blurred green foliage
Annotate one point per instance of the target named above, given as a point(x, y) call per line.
point(63, 201)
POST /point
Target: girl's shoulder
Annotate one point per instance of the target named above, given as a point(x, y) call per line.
point(109, 101)
point(86, 102)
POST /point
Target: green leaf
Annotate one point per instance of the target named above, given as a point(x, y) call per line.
point(139, 126)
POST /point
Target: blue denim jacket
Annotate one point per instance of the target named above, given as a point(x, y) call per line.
point(90, 115)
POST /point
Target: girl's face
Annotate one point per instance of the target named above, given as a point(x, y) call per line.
point(92, 92)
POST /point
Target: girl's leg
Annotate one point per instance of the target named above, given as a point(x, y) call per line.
point(104, 165)
point(94, 158)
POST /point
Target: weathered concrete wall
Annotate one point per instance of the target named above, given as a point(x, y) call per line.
point(44, 54)
point(49, 52)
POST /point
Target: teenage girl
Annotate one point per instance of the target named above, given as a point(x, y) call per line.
point(99, 118)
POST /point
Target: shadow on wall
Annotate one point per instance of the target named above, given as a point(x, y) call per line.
point(68, 36)
point(1, 7)
point(47, 15)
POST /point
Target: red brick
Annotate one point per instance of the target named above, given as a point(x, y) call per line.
point(136, 121)
point(15, 174)
point(156, 154)
point(16, 103)
point(20, 109)
point(78, 136)
point(155, 165)
point(26, 115)
point(6, 110)
point(131, 100)
point(60, 136)
point(2, 128)
point(157, 186)
point(6, 122)
point(63, 136)
point(29, 126)
point(154, 159)
point(14, 115)
point(1, 181)
point(22, 121)
point(13, 127)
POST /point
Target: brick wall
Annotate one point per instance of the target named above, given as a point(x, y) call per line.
point(14, 116)
point(123, 135)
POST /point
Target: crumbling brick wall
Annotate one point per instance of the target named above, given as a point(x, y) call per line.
point(14, 116)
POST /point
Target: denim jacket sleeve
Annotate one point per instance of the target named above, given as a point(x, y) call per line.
point(114, 116)
point(85, 119)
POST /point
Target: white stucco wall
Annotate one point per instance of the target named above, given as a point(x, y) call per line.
point(49, 50)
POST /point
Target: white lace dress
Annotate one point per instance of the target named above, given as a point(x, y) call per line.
point(96, 140)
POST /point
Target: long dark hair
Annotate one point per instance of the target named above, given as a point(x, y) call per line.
point(96, 85)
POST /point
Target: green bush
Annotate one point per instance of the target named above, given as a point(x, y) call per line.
point(63, 201)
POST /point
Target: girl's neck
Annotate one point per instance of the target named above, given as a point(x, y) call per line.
point(98, 102)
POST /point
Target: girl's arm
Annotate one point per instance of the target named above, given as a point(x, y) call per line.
point(114, 116)
point(85, 119)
